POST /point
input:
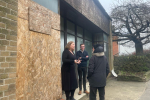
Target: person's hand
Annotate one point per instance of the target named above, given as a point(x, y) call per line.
point(87, 56)
point(79, 61)
point(80, 58)
point(76, 61)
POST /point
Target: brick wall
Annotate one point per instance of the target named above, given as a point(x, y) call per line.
point(8, 48)
point(115, 46)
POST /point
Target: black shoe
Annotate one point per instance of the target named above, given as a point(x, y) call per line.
point(68, 99)
point(72, 98)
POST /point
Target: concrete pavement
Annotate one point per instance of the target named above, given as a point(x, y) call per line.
point(76, 96)
point(121, 90)
point(146, 94)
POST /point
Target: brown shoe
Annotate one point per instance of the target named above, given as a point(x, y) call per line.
point(80, 92)
point(86, 92)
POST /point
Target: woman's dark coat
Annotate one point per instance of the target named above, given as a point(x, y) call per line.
point(68, 71)
point(98, 69)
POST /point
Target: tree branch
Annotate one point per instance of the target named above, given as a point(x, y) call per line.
point(146, 32)
point(144, 37)
point(121, 39)
point(128, 26)
point(148, 41)
point(120, 34)
point(133, 22)
point(124, 42)
point(119, 19)
point(136, 15)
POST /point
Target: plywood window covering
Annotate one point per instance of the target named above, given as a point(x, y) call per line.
point(39, 20)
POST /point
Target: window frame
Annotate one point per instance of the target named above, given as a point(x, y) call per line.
point(76, 36)
point(58, 6)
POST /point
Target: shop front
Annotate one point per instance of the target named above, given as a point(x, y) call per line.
point(76, 27)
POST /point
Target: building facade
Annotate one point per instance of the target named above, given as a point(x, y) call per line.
point(115, 46)
point(33, 34)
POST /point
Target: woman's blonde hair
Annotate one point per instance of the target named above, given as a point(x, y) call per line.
point(68, 45)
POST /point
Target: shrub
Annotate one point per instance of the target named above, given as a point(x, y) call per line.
point(132, 63)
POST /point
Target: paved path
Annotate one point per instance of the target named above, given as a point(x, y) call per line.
point(146, 94)
point(121, 90)
point(76, 96)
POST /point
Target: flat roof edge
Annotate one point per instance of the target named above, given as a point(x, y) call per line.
point(97, 2)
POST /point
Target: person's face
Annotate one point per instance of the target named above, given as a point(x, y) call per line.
point(72, 46)
point(82, 47)
point(93, 49)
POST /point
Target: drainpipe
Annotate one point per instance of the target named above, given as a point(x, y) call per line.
point(111, 59)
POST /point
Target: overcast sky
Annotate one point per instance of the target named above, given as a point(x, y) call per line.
point(123, 49)
point(107, 5)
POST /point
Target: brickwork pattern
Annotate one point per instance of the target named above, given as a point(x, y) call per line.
point(8, 48)
point(115, 47)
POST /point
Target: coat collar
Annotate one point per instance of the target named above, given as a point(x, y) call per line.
point(81, 50)
point(98, 54)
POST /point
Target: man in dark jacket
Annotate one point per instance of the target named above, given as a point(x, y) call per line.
point(82, 67)
point(98, 71)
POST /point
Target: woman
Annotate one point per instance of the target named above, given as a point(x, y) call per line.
point(98, 71)
point(69, 79)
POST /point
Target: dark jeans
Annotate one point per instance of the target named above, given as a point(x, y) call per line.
point(82, 71)
point(93, 92)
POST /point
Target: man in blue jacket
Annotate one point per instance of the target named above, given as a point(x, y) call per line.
point(82, 67)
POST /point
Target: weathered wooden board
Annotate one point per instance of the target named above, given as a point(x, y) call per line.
point(38, 64)
point(39, 20)
point(23, 12)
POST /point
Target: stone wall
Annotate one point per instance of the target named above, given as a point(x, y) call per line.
point(91, 11)
point(8, 48)
point(38, 56)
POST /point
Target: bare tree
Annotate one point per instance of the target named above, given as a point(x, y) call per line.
point(131, 19)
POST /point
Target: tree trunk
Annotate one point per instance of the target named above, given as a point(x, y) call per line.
point(139, 48)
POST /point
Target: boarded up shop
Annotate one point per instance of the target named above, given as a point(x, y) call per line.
point(33, 34)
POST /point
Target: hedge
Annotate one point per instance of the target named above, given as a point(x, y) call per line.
point(132, 63)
